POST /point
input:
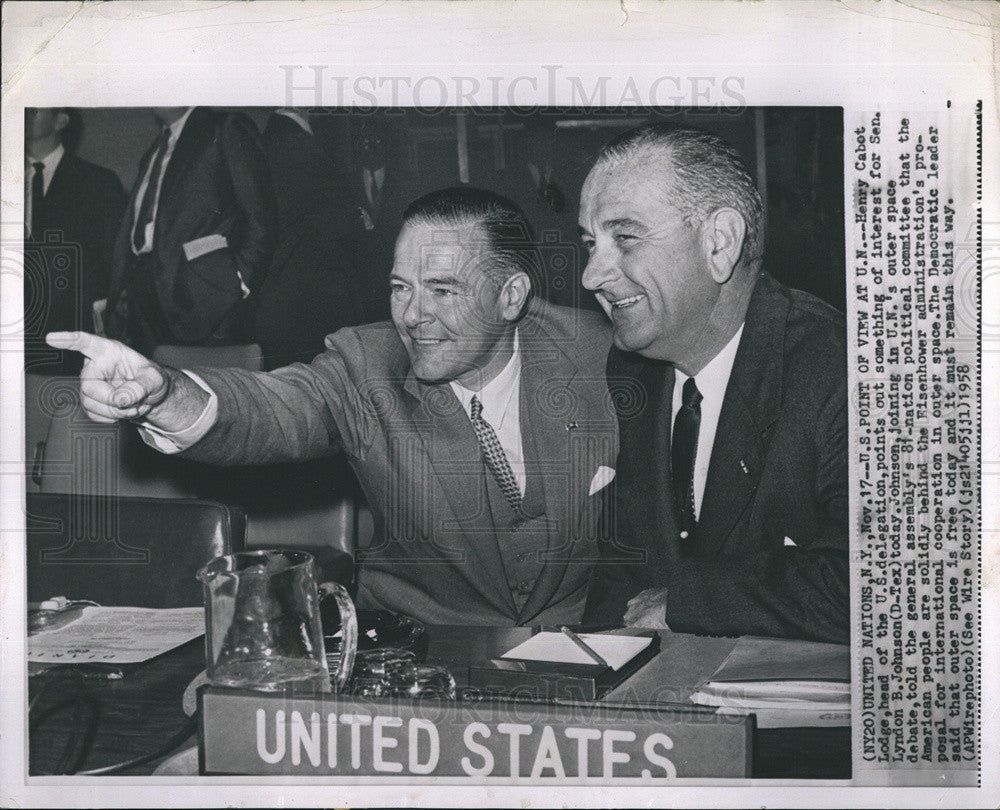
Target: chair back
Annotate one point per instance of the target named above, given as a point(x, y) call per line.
point(38, 415)
point(67, 452)
point(248, 356)
point(139, 552)
point(311, 505)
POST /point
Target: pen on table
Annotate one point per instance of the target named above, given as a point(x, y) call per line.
point(579, 642)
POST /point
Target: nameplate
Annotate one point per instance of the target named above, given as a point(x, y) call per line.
point(249, 733)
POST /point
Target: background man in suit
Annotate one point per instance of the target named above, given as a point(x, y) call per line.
point(476, 422)
point(72, 209)
point(310, 290)
point(197, 236)
point(732, 476)
point(381, 191)
point(535, 176)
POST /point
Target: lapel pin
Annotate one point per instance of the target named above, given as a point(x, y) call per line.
point(571, 426)
point(743, 466)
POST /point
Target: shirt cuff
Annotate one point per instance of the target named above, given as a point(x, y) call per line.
point(170, 443)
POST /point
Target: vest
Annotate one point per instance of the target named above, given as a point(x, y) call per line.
point(522, 536)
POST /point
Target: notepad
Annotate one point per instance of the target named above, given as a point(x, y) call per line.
point(557, 648)
point(783, 682)
point(117, 635)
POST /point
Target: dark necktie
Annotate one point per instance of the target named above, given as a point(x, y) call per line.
point(683, 447)
point(152, 189)
point(37, 199)
point(496, 458)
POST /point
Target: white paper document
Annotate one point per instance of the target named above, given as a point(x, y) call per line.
point(555, 647)
point(117, 635)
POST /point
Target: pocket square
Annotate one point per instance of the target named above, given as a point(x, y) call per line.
point(603, 477)
point(205, 244)
point(790, 542)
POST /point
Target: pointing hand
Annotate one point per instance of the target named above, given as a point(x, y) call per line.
point(116, 382)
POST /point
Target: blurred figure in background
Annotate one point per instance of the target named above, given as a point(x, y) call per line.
point(311, 289)
point(72, 209)
point(198, 236)
point(381, 191)
point(538, 173)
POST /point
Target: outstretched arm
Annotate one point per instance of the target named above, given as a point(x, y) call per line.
point(240, 417)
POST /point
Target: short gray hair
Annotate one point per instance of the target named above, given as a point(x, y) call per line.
point(707, 174)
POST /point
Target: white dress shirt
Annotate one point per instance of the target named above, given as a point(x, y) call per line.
point(712, 382)
point(175, 133)
point(501, 398)
point(373, 184)
point(49, 164)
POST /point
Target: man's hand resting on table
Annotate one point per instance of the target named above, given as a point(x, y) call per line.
point(648, 609)
point(118, 383)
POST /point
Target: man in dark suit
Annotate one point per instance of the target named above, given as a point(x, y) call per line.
point(477, 422)
point(535, 177)
point(732, 401)
point(311, 288)
point(72, 212)
point(198, 233)
point(381, 190)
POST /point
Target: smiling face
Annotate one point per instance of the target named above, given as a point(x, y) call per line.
point(647, 265)
point(455, 319)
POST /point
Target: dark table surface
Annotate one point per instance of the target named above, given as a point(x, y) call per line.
point(81, 723)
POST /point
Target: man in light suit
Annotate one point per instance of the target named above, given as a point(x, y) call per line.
point(732, 393)
point(477, 422)
point(197, 236)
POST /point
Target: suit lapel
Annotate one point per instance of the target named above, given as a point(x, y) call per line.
point(123, 244)
point(545, 374)
point(751, 405)
point(188, 143)
point(453, 450)
point(129, 217)
point(61, 184)
point(564, 423)
point(360, 193)
point(652, 427)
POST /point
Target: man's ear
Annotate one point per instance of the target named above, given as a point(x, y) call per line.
point(514, 295)
point(61, 121)
point(724, 233)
